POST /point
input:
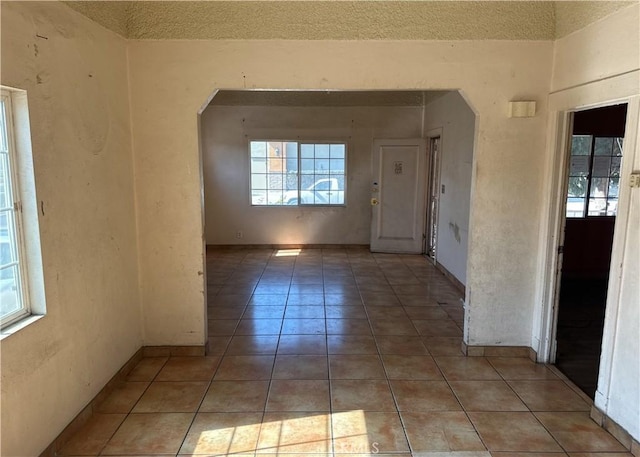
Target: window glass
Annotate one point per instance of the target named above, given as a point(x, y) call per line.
point(594, 171)
point(293, 173)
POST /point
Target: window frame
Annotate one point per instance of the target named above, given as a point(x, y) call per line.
point(25, 309)
point(589, 177)
point(299, 142)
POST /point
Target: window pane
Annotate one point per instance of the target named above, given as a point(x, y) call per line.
point(613, 187)
point(597, 206)
point(337, 197)
point(258, 149)
point(275, 197)
point(322, 166)
point(336, 166)
point(5, 182)
point(599, 187)
point(615, 166)
point(291, 157)
point(603, 146)
point(322, 151)
point(259, 197)
point(617, 146)
point(10, 301)
point(259, 181)
point(579, 166)
point(575, 207)
point(581, 145)
point(601, 166)
point(307, 181)
point(8, 248)
point(274, 164)
point(337, 151)
point(306, 151)
point(307, 166)
point(258, 165)
point(612, 206)
point(577, 187)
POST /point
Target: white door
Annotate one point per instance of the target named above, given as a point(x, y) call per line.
point(398, 196)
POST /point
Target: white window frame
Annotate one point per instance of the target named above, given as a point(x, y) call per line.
point(24, 209)
point(299, 142)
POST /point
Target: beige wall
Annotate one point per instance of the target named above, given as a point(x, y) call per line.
point(84, 174)
point(172, 80)
point(455, 123)
point(75, 74)
point(595, 66)
point(226, 131)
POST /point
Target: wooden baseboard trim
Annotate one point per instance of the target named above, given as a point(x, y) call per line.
point(499, 351)
point(616, 430)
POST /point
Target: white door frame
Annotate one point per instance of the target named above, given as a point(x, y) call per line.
point(429, 173)
point(620, 89)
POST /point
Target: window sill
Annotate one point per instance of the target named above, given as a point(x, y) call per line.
point(22, 323)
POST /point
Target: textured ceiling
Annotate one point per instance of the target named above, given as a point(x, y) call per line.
point(324, 98)
point(346, 20)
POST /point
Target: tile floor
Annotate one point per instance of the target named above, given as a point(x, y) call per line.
point(338, 352)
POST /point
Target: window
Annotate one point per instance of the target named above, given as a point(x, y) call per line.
point(21, 288)
point(13, 302)
point(297, 173)
point(594, 176)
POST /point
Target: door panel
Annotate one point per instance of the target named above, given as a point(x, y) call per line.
point(398, 196)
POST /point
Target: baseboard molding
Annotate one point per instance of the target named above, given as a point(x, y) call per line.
point(616, 430)
point(600, 417)
point(499, 351)
point(286, 246)
point(455, 281)
point(87, 412)
point(173, 351)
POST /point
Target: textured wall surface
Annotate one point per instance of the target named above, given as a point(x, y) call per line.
point(75, 75)
point(226, 131)
point(590, 69)
point(509, 154)
point(452, 114)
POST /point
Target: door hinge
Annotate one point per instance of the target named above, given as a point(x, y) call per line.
point(560, 249)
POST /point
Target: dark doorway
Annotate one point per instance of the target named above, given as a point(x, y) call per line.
point(592, 204)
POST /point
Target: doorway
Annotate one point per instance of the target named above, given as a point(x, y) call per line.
point(592, 183)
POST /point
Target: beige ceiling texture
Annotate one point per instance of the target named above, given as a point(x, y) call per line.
point(346, 20)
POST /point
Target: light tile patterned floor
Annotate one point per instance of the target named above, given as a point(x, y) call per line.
point(338, 352)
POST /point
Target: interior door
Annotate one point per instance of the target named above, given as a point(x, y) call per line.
point(584, 255)
point(398, 196)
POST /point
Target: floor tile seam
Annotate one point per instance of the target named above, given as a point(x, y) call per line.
point(103, 447)
point(393, 395)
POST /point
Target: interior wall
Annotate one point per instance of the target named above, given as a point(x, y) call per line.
point(457, 121)
point(226, 131)
point(75, 74)
point(509, 154)
point(595, 66)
